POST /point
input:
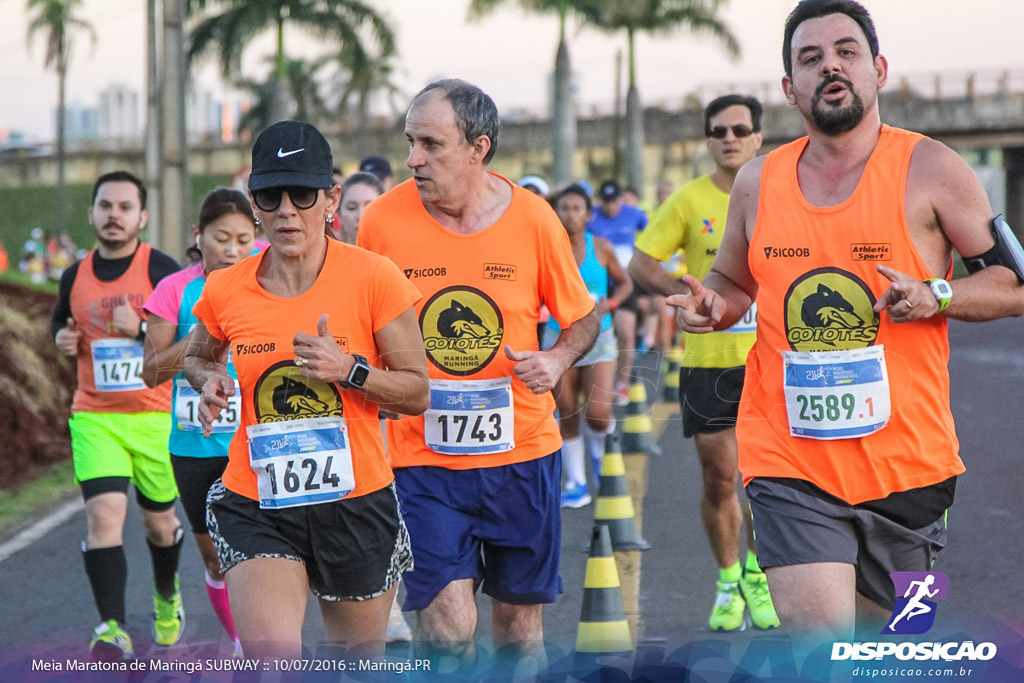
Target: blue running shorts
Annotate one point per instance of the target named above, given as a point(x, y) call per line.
point(500, 526)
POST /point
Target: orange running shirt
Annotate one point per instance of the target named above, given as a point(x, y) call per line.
point(362, 293)
point(118, 359)
point(815, 268)
point(480, 292)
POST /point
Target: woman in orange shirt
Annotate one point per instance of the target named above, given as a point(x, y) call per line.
point(307, 500)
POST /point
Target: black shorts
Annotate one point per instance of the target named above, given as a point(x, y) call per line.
point(796, 522)
point(632, 302)
point(195, 476)
point(353, 549)
point(709, 398)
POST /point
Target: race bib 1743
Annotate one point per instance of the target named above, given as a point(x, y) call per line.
point(470, 417)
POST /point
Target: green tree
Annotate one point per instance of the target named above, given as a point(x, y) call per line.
point(227, 27)
point(655, 17)
point(361, 75)
point(56, 18)
point(563, 114)
point(303, 91)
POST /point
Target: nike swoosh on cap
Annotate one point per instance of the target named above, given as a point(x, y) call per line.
point(281, 154)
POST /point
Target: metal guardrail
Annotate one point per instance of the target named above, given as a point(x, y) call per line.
point(941, 86)
point(948, 86)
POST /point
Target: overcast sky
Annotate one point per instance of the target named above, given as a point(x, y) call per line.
point(510, 54)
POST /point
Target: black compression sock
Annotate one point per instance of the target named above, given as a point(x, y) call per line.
point(165, 563)
point(107, 570)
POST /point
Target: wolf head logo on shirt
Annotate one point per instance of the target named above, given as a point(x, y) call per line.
point(830, 309)
point(460, 321)
point(293, 396)
point(462, 329)
point(284, 393)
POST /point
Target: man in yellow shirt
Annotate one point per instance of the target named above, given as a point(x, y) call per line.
point(711, 377)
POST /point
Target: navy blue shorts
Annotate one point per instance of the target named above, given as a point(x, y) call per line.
point(500, 526)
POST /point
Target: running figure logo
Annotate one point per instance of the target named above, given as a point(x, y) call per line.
point(914, 612)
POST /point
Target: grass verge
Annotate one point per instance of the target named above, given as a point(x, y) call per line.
point(36, 494)
point(17, 277)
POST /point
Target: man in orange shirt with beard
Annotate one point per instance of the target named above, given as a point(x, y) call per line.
point(845, 238)
point(479, 474)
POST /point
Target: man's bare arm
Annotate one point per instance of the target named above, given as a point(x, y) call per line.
point(944, 192)
point(649, 274)
point(540, 370)
point(729, 289)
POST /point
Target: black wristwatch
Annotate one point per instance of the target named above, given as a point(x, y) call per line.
point(358, 374)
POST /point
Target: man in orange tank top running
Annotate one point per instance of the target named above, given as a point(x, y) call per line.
point(119, 427)
point(846, 442)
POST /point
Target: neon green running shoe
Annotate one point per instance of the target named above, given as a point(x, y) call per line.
point(727, 614)
point(110, 643)
point(759, 601)
point(168, 616)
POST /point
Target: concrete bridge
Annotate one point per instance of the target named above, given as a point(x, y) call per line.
point(979, 114)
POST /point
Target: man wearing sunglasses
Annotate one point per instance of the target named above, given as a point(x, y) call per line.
point(711, 377)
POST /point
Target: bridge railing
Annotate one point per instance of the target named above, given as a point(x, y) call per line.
point(950, 85)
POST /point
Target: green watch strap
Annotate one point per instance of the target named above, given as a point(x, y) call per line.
point(942, 291)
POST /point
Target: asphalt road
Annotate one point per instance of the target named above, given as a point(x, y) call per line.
point(47, 612)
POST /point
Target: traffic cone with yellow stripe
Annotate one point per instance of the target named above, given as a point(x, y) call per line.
point(614, 507)
point(670, 378)
point(636, 426)
point(603, 627)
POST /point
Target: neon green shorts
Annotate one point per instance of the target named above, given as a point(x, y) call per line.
point(130, 445)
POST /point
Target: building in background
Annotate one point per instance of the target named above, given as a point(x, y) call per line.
point(119, 114)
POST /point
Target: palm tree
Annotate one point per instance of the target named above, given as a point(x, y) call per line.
point(57, 19)
point(230, 29)
point(360, 76)
point(653, 16)
point(563, 115)
point(303, 90)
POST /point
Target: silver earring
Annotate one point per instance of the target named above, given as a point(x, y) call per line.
point(256, 219)
point(330, 218)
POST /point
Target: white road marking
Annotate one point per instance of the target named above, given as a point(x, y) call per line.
point(41, 528)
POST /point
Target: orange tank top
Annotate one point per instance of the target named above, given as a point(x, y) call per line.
point(817, 278)
point(109, 363)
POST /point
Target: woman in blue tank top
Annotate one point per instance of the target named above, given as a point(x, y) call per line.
point(594, 374)
point(223, 236)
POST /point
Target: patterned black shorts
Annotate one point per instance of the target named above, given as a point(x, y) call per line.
point(353, 549)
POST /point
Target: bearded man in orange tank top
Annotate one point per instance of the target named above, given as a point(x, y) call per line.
point(845, 240)
point(118, 425)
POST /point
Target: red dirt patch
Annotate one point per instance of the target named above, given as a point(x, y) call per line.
point(36, 385)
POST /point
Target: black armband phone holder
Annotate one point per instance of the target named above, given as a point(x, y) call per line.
point(1007, 251)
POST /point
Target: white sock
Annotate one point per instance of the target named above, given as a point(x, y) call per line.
point(596, 443)
point(572, 461)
